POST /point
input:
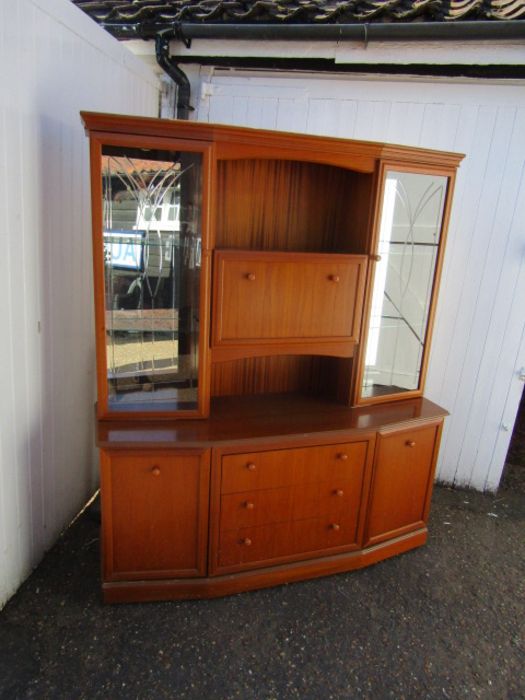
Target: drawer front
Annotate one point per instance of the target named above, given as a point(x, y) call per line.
point(252, 471)
point(280, 540)
point(332, 499)
point(262, 297)
point(401, 482)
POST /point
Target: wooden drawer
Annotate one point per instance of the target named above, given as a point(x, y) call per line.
point(281, 297)
point(292, 539)
point(402, 482)
point(299, 502)
point(271, 469)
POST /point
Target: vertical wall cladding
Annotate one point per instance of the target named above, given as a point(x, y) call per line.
point(56, 62)
point(479, 344)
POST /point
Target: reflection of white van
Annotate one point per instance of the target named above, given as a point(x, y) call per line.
point(152, 252)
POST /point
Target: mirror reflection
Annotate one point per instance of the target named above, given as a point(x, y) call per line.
point(152, 249)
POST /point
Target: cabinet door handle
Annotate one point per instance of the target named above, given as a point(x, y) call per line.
point(250, 276)
point(155, 471)
point(334, 278)
point(335, 526)
point(339, 492)
point(251, 467)
point(246, 541)
point(376, 258)
point(343, 456)
point(249, 505)
point(410, 443)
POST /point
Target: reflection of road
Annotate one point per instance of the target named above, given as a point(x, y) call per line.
point(147, 320)
point(131, 353)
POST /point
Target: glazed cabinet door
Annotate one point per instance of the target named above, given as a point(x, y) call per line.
point(155, 513)
point(406, 269)
point(151, 268)
point(402, 482)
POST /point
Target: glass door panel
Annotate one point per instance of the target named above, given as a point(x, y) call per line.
point(409, 238)
point(152, 260)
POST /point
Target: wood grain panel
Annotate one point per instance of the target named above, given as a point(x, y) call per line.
point(262, 298)
point(328, 377)
point(285, 205)
point(268, 543)
point(308, 465)
point(402, 481)
point(331, 498)
point(155, 513)
point(262, 375)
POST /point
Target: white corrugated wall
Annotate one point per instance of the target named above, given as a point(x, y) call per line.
point(479, 344)
point(54, 61)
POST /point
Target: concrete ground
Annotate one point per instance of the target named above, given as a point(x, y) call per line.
point(444, 621)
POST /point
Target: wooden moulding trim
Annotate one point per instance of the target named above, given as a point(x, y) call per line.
point(362, 164)
point(308, 346)
point(217, 586)
point(147, 126)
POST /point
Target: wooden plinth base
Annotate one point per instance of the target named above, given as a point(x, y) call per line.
point(217, 586)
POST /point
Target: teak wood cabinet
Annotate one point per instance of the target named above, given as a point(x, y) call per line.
point(264, 306)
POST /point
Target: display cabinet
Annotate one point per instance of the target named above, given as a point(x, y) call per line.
point(264, 306)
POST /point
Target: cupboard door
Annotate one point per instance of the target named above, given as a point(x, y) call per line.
point(155, 513)
point(149, 223)
point(278, 297)
point(406, 273)
point(402, 482)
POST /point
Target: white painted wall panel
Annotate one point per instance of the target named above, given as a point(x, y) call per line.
point(54, 62)
point(479, 334)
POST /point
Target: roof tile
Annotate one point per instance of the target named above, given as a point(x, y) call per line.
point(138, 13)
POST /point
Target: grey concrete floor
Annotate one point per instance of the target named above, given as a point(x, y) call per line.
point(443, 621)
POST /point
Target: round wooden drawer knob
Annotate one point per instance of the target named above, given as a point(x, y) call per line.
point(249, 505)
point(410, 443)
point(251, 467)
point(246, 541)
point(155, 471)
point(334, 278)
point(250, 276)
point(376, 258)
point(343, 456)
point(335, 526)
point(339, 492)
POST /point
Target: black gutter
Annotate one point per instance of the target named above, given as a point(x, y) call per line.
point(328, 65)
point(457, 30)
point(162, 52)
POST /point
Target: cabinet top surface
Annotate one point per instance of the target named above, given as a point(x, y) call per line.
point(249, 419)
point(243, 136)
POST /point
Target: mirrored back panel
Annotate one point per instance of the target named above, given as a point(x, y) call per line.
point(409, 239)
point(152, 261)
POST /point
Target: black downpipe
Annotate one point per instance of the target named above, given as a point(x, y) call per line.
point(162, 52)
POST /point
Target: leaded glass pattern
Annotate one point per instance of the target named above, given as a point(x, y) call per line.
point(152, 249)
point(409, 237)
